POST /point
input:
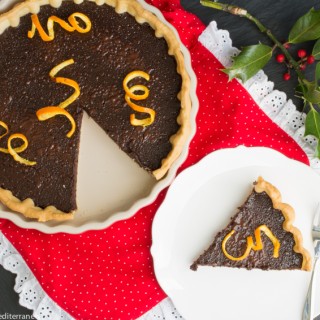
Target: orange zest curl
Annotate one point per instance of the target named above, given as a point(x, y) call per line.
point(5, 127)
point(135, 107)
point(50, 112)
point(250, 244)
point(73, 25)
point(246, 253)
point(270, 235)
point(73, 21)
point(130, 76)
point(66, 81)
point(14, 151)
point(131, 94)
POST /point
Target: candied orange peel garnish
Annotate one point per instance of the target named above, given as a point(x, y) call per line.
point(5, 127)
point(135, 107)
point(131, 94)
point(130, 76)
point(50, 112)
point(250, 244)
point(73, 25)
point(270, 235)
point(66, 81)
point(246, 253)
point(14, 151)
point(73, 21)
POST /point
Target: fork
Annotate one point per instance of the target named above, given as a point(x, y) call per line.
point(308, 309)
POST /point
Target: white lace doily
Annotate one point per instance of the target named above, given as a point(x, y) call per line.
point(31, 294)
point(275, 105)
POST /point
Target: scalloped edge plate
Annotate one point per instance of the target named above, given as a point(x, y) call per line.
point(198, 204)
point(131, 188)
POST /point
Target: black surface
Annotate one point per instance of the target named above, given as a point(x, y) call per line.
point(278, 15)
point(9, 299)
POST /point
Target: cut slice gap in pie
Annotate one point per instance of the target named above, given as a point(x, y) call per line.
point(260, 235)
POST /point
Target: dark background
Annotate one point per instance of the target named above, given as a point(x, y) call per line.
point(278, 15)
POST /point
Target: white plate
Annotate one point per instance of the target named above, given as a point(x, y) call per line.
point(198, 204)
point(106, 195)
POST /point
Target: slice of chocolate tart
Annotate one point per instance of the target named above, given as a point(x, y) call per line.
point(260, 235)
point(114, 60)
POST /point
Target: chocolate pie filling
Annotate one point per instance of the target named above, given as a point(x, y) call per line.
point(115, 46)
point(257, 210)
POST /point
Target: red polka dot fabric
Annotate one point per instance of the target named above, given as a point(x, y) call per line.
point(108, 274)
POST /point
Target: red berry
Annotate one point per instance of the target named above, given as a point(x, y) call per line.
point(302, 53)
point(280, 58)
point(286, 45)
point(286, 76)
point(310, 59)
point(303, 66)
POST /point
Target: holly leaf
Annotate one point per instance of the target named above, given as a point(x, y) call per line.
point(300, 90)
point(306, 27)
point(311, 91)
point(250, 60)
point(316, 50)
point(312, 125)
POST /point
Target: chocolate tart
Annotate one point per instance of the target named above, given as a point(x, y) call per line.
point(263, 207)
point(124, 37)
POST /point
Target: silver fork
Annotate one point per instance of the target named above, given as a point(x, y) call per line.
point(308, 310)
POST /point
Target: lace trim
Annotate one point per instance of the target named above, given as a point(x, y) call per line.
point(31, 294)
point(273, 102)
point(164, 310)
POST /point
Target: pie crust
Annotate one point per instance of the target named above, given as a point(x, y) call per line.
point(289, 215)
point(178, 140)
